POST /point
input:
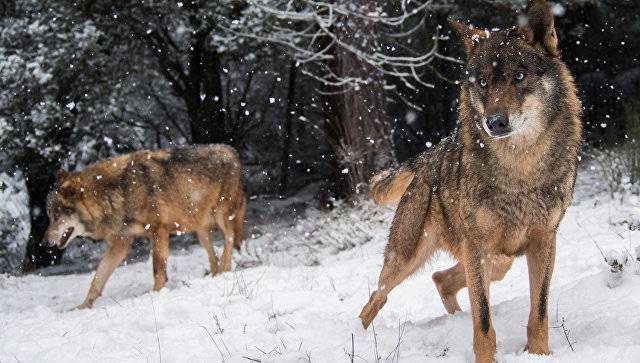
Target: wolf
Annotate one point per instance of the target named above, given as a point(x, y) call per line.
point(150, 194)
point(498, 187)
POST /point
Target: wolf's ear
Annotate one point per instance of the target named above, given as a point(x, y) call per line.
point(70, 189)
point(61, 175)
point(469, 35)
point(537, 26)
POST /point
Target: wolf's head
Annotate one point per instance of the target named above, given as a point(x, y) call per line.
point(64, 220)
point(512, 77)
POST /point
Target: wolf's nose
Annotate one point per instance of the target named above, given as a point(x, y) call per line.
point(498, 124)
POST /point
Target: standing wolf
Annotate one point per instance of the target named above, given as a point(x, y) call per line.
point(151, 194)
point(496, 189)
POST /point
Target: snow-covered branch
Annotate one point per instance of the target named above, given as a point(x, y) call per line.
point(310, 29)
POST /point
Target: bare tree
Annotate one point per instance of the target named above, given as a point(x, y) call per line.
point(348, 46)
point(183, 40)
point(287, 129)
point(356, 126)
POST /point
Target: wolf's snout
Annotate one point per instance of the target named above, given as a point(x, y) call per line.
point(498, 124)
point(60, 241)
point(49, 242)
point(47, 239)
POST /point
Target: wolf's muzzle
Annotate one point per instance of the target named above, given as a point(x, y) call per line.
point(498, 124)
point(64, 239)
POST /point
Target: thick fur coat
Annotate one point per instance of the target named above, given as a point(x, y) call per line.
point(499, 186)
point(150, 194)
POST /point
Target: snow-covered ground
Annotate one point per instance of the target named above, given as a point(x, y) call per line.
point(299, 288)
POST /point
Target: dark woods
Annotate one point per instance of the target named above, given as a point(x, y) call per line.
point(308, 92)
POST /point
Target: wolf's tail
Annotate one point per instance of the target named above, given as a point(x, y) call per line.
point(238, 221)
point(388, 186)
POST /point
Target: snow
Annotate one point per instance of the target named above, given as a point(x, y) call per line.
point(300, 301)
point(14, 221)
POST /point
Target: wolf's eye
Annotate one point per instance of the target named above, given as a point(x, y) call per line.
point(519, 76)
point(483, 82)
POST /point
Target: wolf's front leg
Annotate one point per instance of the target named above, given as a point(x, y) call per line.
point(477, 268)
point(117, 249)
point(541, 255)
point(160, 251)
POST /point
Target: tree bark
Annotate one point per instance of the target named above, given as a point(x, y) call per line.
point(39, 179)
point(198, 83)
point(7, 8)
point(287, 129)
point(356, 127)
point(203, 95)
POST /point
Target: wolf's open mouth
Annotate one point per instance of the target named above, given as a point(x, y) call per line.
point(65, 237)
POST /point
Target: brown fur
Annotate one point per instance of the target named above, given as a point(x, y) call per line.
point(387, 187)
point(151, 194)
point(487, 199)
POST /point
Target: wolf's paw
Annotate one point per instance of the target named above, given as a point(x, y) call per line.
point(449, 301)
point(537, 350)
point(369, 312)
point(157, 286)
point(84, 305)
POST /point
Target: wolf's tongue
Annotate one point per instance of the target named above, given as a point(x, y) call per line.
point(65, 237)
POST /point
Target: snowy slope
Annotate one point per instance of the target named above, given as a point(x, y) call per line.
point(14, 221)
point(301, 302)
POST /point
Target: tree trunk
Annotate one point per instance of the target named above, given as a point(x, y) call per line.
point(285, 158)
point(198, 84)
point(39, 179)
point(203, 94)
point(7, 8)
point(356, 127)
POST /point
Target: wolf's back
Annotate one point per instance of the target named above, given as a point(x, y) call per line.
point(388, 186)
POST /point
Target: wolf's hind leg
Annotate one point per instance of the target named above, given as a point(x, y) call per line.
point(452, 280)
point(117, 249)
point(396, 269)
point(225, 223)
point(413, 238)
point(160, 251)
point(204, 236)
point(449, 282)
point(238, 223)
